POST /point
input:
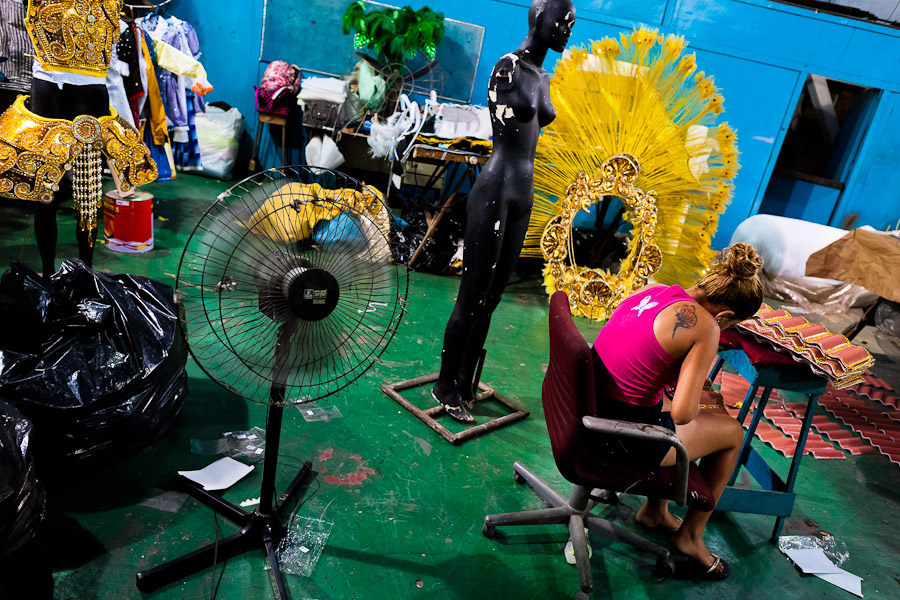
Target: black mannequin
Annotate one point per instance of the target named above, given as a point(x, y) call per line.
point(499, 205)
point(49, 101)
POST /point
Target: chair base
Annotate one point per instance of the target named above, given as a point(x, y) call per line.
point(575, 513)
point(428, 416)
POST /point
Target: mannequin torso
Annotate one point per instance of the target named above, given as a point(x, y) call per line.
point(499, 205)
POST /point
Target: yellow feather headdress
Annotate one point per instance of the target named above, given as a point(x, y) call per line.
point(639, 96)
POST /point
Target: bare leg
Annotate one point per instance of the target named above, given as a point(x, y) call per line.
point(716, 438)
point(655, 513)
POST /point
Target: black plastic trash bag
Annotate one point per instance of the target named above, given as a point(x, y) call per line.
point(438, 251)
point(95, 360)
point(22, 495)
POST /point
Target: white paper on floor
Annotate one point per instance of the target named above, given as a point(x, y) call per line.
point(814, 561)
point(844, 580)
point(220, 475)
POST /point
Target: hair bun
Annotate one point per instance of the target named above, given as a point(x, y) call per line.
point(741, 261)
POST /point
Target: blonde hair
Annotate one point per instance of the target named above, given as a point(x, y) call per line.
point(733, 280)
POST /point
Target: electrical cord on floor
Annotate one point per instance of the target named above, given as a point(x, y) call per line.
point(306, 496)
point(214, 585)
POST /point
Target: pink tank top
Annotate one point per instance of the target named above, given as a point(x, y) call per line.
point(637, 366)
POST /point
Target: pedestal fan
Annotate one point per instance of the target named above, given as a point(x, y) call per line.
point(290, 295)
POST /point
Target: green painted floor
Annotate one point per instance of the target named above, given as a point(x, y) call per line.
point(412, 528)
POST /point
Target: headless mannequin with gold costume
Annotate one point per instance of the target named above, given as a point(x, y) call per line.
point(67, 122)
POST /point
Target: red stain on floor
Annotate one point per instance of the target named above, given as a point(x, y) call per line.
point(356, 477)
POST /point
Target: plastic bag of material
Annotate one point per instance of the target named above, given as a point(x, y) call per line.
point(887, 318)
point(219, 133)
point(22, 494)
point(785, 246)
point(94, 360)
point(815, 295)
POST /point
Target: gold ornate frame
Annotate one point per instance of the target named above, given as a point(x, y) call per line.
point(594, 293)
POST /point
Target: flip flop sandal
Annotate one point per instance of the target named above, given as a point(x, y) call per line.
point(456, 411)
point(570, 550)
point(691, 568)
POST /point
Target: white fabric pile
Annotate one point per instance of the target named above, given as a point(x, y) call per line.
point(328, 89)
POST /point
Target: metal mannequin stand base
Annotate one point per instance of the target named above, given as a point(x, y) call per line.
point(429, 416)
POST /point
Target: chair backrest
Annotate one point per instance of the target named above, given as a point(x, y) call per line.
point(568, 394)
point(568, 390)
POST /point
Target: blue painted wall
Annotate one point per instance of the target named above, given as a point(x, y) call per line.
point(759, 52)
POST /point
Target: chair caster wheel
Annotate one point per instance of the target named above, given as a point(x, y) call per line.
point(664, 568)
point(488, 531)
point(517, 477)
point(581, 595)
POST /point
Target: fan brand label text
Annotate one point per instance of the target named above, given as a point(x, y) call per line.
point(317, 296)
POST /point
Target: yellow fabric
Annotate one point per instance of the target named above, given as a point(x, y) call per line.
point(35, 152)
point(157, 120)
point(276, 220)
point(172, 59)
point(461, 143)
point(293, 211)
point(75, 36)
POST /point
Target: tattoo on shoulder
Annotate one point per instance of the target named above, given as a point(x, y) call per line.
point(686, 317)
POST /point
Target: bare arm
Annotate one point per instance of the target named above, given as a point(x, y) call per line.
point(686, 402)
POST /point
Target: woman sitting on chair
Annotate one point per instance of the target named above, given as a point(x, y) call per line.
point(662, 335)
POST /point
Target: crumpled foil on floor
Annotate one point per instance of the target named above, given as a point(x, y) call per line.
point(834, 549)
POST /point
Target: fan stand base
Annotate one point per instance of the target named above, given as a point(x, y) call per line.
point(258, 531)
point(429, 416)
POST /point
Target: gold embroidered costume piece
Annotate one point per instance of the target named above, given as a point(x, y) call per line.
point(75, 36)
point(36, 152)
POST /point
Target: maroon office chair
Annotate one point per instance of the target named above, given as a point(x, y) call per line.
point(576, 437)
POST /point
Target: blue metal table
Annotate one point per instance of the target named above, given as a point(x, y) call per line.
point(777, 496)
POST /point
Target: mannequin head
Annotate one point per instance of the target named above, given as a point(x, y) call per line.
point(550, 23)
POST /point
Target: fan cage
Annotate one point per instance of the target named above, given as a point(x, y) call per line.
point(259, 240)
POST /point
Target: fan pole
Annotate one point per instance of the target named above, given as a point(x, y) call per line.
point(273, 440)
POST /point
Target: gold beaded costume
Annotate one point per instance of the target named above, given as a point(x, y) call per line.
point(36, 152)
point(74, 36)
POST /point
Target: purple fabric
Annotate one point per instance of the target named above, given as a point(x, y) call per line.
point(182, 37)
